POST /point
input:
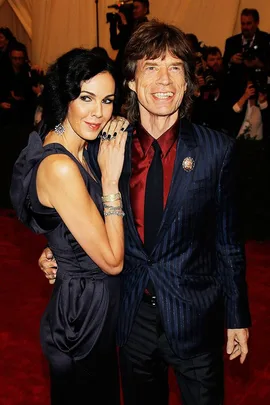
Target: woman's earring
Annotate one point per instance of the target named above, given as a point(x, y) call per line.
point(59, 129)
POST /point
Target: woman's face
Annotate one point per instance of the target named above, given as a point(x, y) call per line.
point(90, 112)
point(3, 41)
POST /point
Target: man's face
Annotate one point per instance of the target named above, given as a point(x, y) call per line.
point(248, 26)
point(215, 62)
point(17, 59)
point(139, 10)
point(3, 41)
point(160, 86)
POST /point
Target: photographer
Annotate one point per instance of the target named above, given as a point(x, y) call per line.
point(250, 126)
point(128, 17)
point(247, 51)
point(209, 101)
point(20, 86)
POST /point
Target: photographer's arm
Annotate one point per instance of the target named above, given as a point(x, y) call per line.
point(249, 92)
point(119, 40)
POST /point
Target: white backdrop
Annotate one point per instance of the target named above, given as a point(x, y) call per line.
point(51, 27)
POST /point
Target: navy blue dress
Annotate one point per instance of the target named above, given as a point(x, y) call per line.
point(78, 326)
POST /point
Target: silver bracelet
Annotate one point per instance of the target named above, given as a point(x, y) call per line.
point(118, 213)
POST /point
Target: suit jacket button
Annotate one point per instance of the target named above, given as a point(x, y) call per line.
point(150, 262)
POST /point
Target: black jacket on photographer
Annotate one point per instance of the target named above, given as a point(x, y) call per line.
point(260, 45)
point(119, 39)
point(257, 47)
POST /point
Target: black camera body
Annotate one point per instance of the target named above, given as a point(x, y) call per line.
point(211, 83)
point(259, 79)
point(250, 52)
point(126, 8)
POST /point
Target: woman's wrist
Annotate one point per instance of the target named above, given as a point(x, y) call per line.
point(109, 186)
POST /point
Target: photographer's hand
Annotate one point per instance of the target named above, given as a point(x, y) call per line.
point(262, 98)
point(254, 63)
point(201, 81)
point(38, 69)
point(123, 18)
point(249, 92)
point(237, 59)
point(37, 89)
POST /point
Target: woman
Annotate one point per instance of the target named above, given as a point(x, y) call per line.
point(54, 192)
point(7, 39)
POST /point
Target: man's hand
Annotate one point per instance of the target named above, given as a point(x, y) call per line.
point(262, 98)
point(5, 106)
point(237, 59)
point(254, 63)
point(48, 265)
point(237, 343)
point(123, 18)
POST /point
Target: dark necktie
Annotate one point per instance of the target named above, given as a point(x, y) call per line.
point(153, 204)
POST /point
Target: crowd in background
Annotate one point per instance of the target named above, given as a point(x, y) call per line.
point(231, 96)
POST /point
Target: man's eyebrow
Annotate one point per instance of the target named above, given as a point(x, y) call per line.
point(152, 63)
point(94, 95)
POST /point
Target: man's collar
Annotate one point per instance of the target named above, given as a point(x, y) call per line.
point(166, 140)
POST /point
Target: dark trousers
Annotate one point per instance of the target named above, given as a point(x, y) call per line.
point(144, 362)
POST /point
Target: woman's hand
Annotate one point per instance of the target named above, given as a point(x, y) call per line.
point(112, 151)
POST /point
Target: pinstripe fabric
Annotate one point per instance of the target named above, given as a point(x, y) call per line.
point(198, 263)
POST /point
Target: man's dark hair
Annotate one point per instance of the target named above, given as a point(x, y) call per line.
point(151, 41)
point(193, 41)
point(210, 50)
point(7, 33)
point(19, 46)
point(64, 78)
point(253, 12)
point(146, 3)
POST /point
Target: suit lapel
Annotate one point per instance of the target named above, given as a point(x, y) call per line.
point(124, 185)
point(186, 148)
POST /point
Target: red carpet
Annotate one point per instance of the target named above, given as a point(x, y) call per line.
point(23, 296)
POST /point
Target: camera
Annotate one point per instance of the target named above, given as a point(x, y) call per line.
point(211, 83)
point(259, 79)
point(125, 7)
point(250, 52)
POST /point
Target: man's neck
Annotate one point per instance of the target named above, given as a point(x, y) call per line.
point(156, 125)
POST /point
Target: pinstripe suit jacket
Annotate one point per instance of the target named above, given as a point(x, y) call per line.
point(198, 264)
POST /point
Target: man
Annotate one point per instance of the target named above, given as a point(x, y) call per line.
point(213, 59)
point(121, 28)
point(210, 107)
point(184, 272)
point(18, 89)
point(248, 50)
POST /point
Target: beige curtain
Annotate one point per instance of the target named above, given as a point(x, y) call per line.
point(211, 21)
point(8, 18)
point(59, 25)
point(22, 9)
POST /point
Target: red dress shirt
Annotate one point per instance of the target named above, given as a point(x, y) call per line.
point(142, 155)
